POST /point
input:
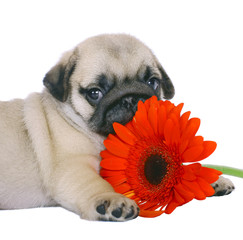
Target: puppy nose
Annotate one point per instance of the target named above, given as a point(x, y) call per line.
point(129, 102)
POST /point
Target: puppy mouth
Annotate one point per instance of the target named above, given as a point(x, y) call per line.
point(121, 110)
point(127, 103)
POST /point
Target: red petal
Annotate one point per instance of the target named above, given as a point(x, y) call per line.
point(150, 101)
point(191, 129)
point(183, 146)
point(113, 138)
point(119, 149)
point(122, 188)
point(197, 140)
point(167, 131)
point(177, 110)
point(149, 205)
point(139, 128)
point(171, 207)
point(114, 163)
point(184, 193)
point(215, 171)
point(209, 148)
point(106, 154)
point(168, 106)
point(141, 113)
point(108, 173)
point(150, 214)
point(124, 134)
point(191, 154)
point(183, 120)
point(130, 127)
point(153, 117)
point(195, 167)
point(205, 186)
point(141, 119)
point(141, 116)
point(154, 101)
point(162, 120)
point(116, 180)
point(210, 175)
point(178, 198)
point(130, 194)
point(188, 174)
point(147, 103)
point(175, 135)
point(195, 188)
point(174, 118)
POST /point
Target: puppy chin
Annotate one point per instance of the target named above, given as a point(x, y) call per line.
point(122, 116)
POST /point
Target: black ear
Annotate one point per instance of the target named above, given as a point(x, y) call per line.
point(167, 85)
point(57, 79)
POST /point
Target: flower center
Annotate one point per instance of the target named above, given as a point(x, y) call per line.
point(155, 168)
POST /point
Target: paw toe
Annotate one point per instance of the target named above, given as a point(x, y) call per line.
point(117, 212)
point(131, 213)
point(101, 209)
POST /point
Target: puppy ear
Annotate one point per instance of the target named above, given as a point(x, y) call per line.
point(57, 79)
point(167, 85)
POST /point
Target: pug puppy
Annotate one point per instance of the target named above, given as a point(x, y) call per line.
point(50, 141)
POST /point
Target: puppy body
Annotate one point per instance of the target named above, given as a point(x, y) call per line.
point(44, 160)
point(20, 182)
point(50, 142)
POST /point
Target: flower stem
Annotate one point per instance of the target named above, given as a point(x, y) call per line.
point(226, 170)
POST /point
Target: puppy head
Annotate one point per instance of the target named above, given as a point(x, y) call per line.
point(103, 79)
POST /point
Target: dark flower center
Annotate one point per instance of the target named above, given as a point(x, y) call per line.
point(155, 168)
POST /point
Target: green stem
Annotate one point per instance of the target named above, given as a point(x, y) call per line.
point(226, 170)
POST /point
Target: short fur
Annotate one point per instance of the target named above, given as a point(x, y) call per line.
point(50, 141)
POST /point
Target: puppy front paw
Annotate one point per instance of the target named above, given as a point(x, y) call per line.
point(223, 186)
point(112, 207)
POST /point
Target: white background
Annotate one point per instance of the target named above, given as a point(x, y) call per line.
point(200, 45)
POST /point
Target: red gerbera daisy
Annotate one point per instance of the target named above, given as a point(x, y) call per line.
point(147, 160)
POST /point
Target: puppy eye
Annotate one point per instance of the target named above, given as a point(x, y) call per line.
point(95, 94)
point(153, 82)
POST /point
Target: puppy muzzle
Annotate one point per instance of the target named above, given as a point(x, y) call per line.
point(119, 105)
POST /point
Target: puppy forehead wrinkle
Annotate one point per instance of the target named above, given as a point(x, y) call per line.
point(116, 46)
point(117, 56)
point(114, 43)
point(129, 66)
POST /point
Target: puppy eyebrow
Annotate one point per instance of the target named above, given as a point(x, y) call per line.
point(103, 82)
point(148, 73)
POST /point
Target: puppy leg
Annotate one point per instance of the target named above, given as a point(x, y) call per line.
point(223, 186)
point(79, 188)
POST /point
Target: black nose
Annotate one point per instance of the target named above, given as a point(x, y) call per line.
point(131, 102)
point(128, 102)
